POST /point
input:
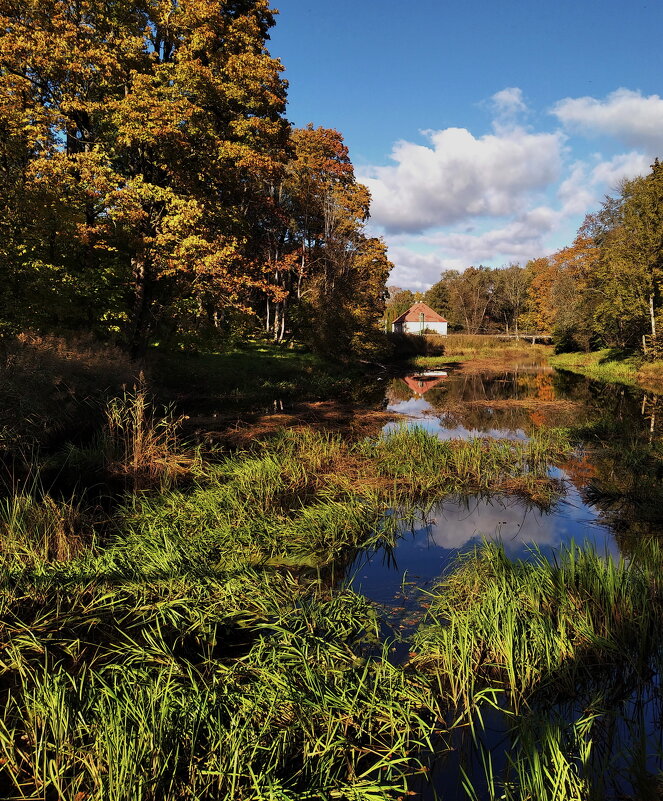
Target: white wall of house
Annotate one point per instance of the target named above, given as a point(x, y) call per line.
point(416, 327)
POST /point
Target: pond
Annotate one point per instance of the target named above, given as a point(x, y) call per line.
point(611, 497)
point(511, 404)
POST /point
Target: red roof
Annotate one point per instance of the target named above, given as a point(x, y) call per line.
point(420, 384)
point(413, 315)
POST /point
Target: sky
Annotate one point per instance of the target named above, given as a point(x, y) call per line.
point(485, 129)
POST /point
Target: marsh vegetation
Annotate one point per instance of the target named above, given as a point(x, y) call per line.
point(185, 620)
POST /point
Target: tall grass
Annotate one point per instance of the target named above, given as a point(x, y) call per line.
point(127, 694)
point(558, 647)
point(36, 529)
point(201, 650)
point(538, 625)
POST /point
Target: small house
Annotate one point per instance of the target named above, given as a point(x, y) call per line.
point(420, 319)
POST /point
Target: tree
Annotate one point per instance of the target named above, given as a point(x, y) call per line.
point(630, 266)
point(437, 297)
point(470, 295)
point(510, 295)
point(157, 128)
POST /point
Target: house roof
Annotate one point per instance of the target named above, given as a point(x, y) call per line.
point(412, 315)
point(420, 384)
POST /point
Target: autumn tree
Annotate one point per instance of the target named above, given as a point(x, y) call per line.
point(629, 267)
point(327, 279)
point(146, 134)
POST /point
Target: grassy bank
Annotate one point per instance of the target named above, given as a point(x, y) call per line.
point(613, 366)
point(459, 348)
point(195, 643)
point(250, 373)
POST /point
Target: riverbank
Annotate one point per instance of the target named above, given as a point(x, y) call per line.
point(53, 389)
point(483, 351)
point(613, 366)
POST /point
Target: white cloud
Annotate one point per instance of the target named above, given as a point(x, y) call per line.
point(417, 271)
point(518, 240)
point(507, 105)
point(510, 195)
point(629, 116)
point(611, 173)
point(459, 176)
point(509, 101)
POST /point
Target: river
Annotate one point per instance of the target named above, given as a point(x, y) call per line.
point(611, 496)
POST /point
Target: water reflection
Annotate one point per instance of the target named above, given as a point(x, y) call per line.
point(613, 498)
point(432, 542)
point(505, 403)
point(614, 485)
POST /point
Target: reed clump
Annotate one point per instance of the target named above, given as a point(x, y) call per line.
point(540, 627)
point(224, 687)
point(138, 446)
point(200, 648)
point(36, 529)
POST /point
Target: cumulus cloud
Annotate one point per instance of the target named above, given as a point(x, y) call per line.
point(418, 271)
point(623, 166)
point(510, 195)
point(458, 176)
point(518, 240)
point(629, 116)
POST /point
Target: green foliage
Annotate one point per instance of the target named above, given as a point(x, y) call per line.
point(537, 626)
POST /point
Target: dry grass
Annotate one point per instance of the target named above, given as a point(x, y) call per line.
point(484, 352)
point(50, 387)
point(650, 376)
point(144, 449)
point(525, 403)
point(37, 529)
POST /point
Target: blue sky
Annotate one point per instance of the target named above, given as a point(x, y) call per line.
point(485, 130)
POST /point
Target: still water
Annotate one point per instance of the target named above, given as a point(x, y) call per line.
point(511, 404)
point(612, 496)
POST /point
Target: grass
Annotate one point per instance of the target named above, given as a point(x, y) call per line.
point(194, 644)
point(187, 691)
point(558, 648)
point(254, 372)
point(613, 366)
point(467, 347)
point(539, 626)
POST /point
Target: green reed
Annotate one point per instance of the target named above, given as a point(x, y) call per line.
point(539, 626)
point(201, 650)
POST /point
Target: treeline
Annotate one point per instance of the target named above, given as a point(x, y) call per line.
point(151, 188)
point(478, 300)
point(606, 289)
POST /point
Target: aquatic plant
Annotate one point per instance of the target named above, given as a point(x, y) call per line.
point(539, 625)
